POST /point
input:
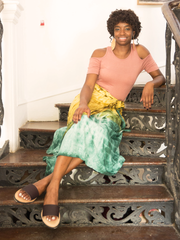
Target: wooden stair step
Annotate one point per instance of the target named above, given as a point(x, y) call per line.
point(46, 126)
point(89, 233)
point(39, 135)
point(135, 116)
point(34, 157)
point(98, 194)
point(24, 158)
point(51, 127)
point(27, 166)
point(128, 107)
point(163, 87)
point(94, 205)
point(140, 108)
point(144, 134)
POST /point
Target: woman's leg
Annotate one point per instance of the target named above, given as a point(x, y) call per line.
point(61, 166)
point(42, 184)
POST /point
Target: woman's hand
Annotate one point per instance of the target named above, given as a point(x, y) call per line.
point(148, 95)
point(79, 112)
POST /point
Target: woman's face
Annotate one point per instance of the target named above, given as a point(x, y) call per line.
point(123, 33)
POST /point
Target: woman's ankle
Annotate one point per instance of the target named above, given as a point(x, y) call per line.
point(53, 187)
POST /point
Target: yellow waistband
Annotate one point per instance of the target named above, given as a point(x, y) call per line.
point(101, 100)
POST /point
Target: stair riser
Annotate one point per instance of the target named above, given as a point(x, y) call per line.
point(135, 120)
point(132, 146)
point(159, 96)
point(153, 122)
point(103, 214)
point(147, 147)
point(36, 140)
point(85, 176)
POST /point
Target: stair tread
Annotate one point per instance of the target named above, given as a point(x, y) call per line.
point(89, 233)
point(140, 108)
point(98, 194)
point(51, 127)
point(34, 157)
point(47, 126)
point(128, 107)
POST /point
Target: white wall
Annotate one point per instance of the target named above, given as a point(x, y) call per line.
point(52, 60)
point(57, 55)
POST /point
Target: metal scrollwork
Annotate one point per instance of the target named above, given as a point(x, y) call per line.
point(83, 175)
point(126, 175)
point(173, 118)
point(35, 140)
point(5, 220)
point(21, 216)
point(145, 122)
point(135, 96)
point(90, 215)
point(1, 103)
point(117, 214)
point(63, 113)
point(139, 147)
point(20, 176)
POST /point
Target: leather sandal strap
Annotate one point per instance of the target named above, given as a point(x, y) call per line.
point(51, 210)
point(31, 190)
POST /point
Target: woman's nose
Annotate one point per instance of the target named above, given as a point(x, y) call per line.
point(122, 32)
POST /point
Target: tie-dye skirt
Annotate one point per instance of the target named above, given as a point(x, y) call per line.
point(96, 139)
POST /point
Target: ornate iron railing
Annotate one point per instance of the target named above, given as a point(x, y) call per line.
point(171, 12)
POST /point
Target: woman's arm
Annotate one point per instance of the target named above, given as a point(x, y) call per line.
point(148, 91)
point(85, 97)
point(87, 89)
point(158, 80)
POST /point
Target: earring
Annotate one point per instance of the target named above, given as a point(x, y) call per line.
point(137, 41)
point(113, 44)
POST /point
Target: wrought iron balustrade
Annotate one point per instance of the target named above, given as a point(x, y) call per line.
point(171, 12)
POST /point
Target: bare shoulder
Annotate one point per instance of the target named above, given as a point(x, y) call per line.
point(99, 52)
point(142, 51)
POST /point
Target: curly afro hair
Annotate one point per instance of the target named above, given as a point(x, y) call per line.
point(124, 16)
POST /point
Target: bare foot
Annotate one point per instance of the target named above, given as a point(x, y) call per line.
point(51, 197)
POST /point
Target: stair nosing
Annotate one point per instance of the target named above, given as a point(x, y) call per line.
point(127, 108)
point(12, 160)
point(98, 199)
point(135, 133)
point(125, 231)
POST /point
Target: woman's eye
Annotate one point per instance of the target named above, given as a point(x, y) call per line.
point(116, 29)
point(127, 29)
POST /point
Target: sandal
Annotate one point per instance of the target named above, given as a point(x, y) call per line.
point(31, 190)
point(50, 210)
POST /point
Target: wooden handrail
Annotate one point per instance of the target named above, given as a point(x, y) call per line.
point(173, 22)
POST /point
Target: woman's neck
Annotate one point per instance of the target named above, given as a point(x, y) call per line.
point(122, 51)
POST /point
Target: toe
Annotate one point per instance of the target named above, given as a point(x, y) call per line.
point(20, 194)
point(24, 195)
point(51, 218)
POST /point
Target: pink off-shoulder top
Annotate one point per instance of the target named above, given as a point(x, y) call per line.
point(118, 76)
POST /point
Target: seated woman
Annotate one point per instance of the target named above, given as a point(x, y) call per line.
point(95, 124)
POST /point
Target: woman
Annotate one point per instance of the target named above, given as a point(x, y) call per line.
point(95, 125)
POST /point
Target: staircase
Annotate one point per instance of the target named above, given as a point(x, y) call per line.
point(133, 204)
